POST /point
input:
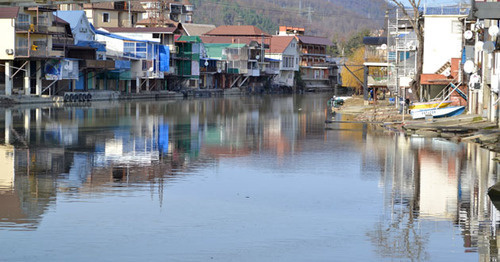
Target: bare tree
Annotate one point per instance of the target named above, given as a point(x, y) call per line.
point(416, 21)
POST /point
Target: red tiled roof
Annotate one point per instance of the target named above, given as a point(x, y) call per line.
point(237, 30)
point(140, 29)
point(279, 43)
point(9, 12)
point(314, 40)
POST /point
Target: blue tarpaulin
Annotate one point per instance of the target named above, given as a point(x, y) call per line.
point(164, 58)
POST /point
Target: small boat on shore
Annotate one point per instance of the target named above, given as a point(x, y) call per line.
point(428, 105)
point(437, 112)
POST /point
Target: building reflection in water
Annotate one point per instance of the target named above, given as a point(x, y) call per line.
point(77, 150)
point(430, 180)
point(51, 151)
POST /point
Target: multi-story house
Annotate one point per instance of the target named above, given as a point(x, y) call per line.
point(482, 55)
point(285, 50)
point(187, 60)
point(149, 61)
point(255, 42)
point(114, 14)
point(160, 11)
point(441, 71)
point(28, 34)
point(314, 67)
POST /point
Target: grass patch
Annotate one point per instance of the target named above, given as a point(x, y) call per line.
point(477, 119)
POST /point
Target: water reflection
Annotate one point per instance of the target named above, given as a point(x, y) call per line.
point(432, 192)
point(59, 150)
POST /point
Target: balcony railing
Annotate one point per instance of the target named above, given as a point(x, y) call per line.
point(42, 26)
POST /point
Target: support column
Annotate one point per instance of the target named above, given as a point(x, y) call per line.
point(8, 124)
point(137, 85)
point(365, 83)
point(8, 81)
point(27, 80)
point(129, 86)
point(27, 121)
point(38, 88)
point(73, 85)
point(38, 123)
point(147, 84)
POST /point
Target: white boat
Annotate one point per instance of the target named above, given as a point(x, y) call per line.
point(437, 112)
point(427, 105)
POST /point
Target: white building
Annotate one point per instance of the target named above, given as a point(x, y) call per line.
point(284, 49)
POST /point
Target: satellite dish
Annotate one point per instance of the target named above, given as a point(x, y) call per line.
point(383, 46)
point(206, 63)
point(219, 70)
point(479, 45)
point(489, 47)
point(475, 79)
point(447, 72)
point(257, 57)
point(493, 30)
point(468, 35)
point(469, 66)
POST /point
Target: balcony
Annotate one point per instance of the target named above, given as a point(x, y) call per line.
point(175, 9)
point(40, 27)
point(36, 48)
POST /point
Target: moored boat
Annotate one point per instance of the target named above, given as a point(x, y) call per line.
point(438, 112)
point(428, 105)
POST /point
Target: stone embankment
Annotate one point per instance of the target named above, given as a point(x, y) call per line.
point(463, 128)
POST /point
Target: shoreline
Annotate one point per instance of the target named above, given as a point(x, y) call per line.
point(115, 96)
point(463, 128)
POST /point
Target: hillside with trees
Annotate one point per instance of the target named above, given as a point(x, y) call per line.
point(338, 20)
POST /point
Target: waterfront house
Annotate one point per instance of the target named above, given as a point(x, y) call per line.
point(284, 50)
point(482, 59)
point(148, 63)
point(375, 64)
point(213, 66)
point(28, 50)
point(247, 62)
point(314, 66)
point(441, 70)
point(187, 60)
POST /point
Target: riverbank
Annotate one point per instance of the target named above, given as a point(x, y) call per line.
point(71, 98)
point(463, 128)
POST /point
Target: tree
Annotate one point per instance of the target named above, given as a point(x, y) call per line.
point(417, 23)
point(355, 65)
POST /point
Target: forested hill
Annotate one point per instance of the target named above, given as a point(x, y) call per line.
point(336, 19)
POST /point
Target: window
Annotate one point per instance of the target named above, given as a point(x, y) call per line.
point(105, 17)
point(156, 35)
point(188, 18)
point(135, 49)
point(287, 61)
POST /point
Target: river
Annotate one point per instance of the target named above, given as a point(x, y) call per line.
point(235, 179)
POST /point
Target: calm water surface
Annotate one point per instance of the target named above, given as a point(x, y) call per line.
point(235, 179)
